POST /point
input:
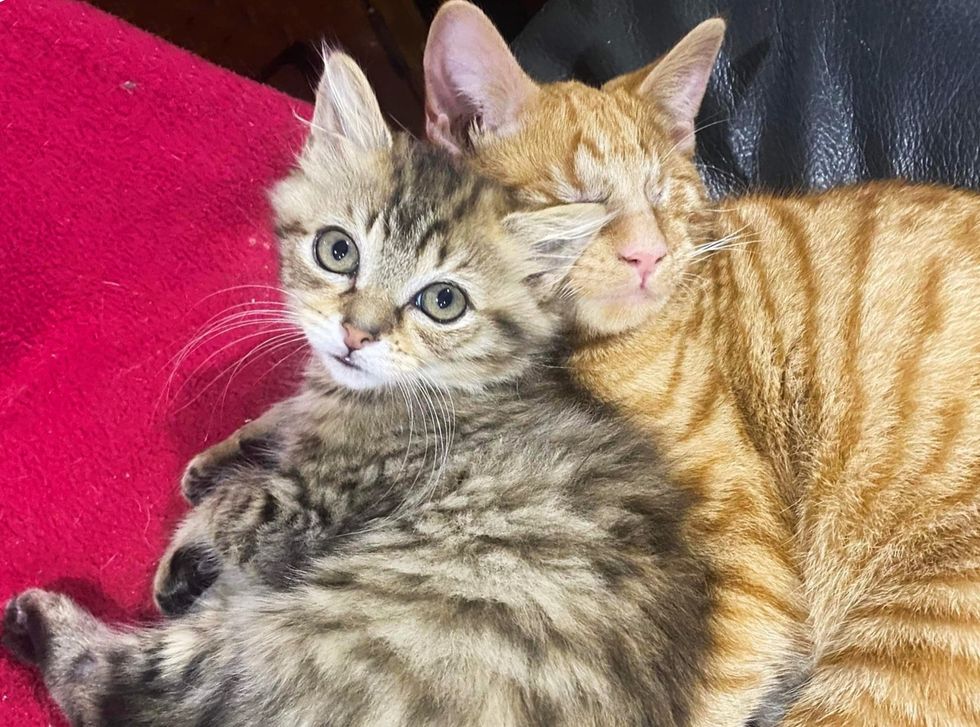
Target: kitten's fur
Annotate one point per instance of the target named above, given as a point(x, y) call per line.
point(818, 383)
point(449, 533)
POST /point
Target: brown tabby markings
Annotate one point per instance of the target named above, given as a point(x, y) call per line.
point(819, 387)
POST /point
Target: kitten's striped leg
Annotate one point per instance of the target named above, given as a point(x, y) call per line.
point(101, 677)
point(68, 646)
point(204, 544)
point(191, 563)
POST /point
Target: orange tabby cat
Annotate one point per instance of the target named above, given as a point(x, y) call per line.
point(810, 365)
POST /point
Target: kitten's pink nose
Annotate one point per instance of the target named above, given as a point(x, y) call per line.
point(644, 259)
point(355, 338)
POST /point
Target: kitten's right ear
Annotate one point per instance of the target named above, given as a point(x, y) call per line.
point(346, 116)
point(471, 78)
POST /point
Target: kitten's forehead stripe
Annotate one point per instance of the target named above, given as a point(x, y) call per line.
point(436, 227)
point(372, 219)
point(443, 252)
point(469, 201)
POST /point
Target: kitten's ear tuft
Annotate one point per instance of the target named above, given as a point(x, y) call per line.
point(472, 80)
point(556, 236)
point(346, 115)
point(677, 81)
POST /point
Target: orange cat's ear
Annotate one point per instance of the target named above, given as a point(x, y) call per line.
point(631, 81)
point(676, 82)
point(472, 80)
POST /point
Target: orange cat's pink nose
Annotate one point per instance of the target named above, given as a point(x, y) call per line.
point(355, 338)
point(644, 259)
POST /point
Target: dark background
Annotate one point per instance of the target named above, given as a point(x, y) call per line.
point(277, 41)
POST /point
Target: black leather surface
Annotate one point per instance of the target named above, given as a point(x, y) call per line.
point(806, 93)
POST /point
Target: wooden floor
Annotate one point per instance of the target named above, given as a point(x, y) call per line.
point(277, 41)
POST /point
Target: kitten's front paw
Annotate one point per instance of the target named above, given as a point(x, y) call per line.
point(26, 625)
point(247, 447)
point(183, 577)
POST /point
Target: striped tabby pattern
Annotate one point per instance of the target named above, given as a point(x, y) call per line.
point(809, 365)
point(440, 528)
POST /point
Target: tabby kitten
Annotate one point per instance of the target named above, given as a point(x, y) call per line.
point(439, 528)
point(817, 383)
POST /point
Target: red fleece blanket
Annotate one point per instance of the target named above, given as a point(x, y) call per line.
point(132, 180)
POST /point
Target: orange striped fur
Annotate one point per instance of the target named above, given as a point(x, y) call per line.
point(816, 379)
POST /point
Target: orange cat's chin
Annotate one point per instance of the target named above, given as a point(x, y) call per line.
point(616, 313)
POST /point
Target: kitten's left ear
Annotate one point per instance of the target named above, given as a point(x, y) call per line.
point(676, 82)
point(346, 116)
point(556, 236)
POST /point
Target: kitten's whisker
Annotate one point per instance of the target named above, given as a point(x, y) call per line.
point(444, 428)
point(405, 389)
point(200, 339)
point(270, 307)
point(425, 432)
point(243, 311)
point(293, 297)
point(439, 436)
point(449, 410)
point(725, 242)
point(217, 331)
point(235, 342)
point(400, 382)
point(724, 248)
point(729, 236)
point(223, 317)
point(730, 241)
point(222, 327)
point(263, 346)
point(247, 286)
point(253, 355)
point(267, 348)
point(298, 349)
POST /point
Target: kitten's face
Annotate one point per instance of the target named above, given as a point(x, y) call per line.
point(405, 269)
point(627, 146)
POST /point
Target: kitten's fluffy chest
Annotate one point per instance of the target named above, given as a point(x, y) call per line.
point(375, 457)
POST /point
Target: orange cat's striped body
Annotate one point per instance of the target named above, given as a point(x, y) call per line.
point(809, 365)
point(820, 389)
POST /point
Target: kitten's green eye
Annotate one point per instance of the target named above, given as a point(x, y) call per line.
point(442, 302)
point(335, 251)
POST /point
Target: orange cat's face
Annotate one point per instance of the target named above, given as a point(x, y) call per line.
point(628, 146)
point(578, 144)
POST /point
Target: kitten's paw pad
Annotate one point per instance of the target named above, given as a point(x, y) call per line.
point(26, 630)
point(191, 571)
